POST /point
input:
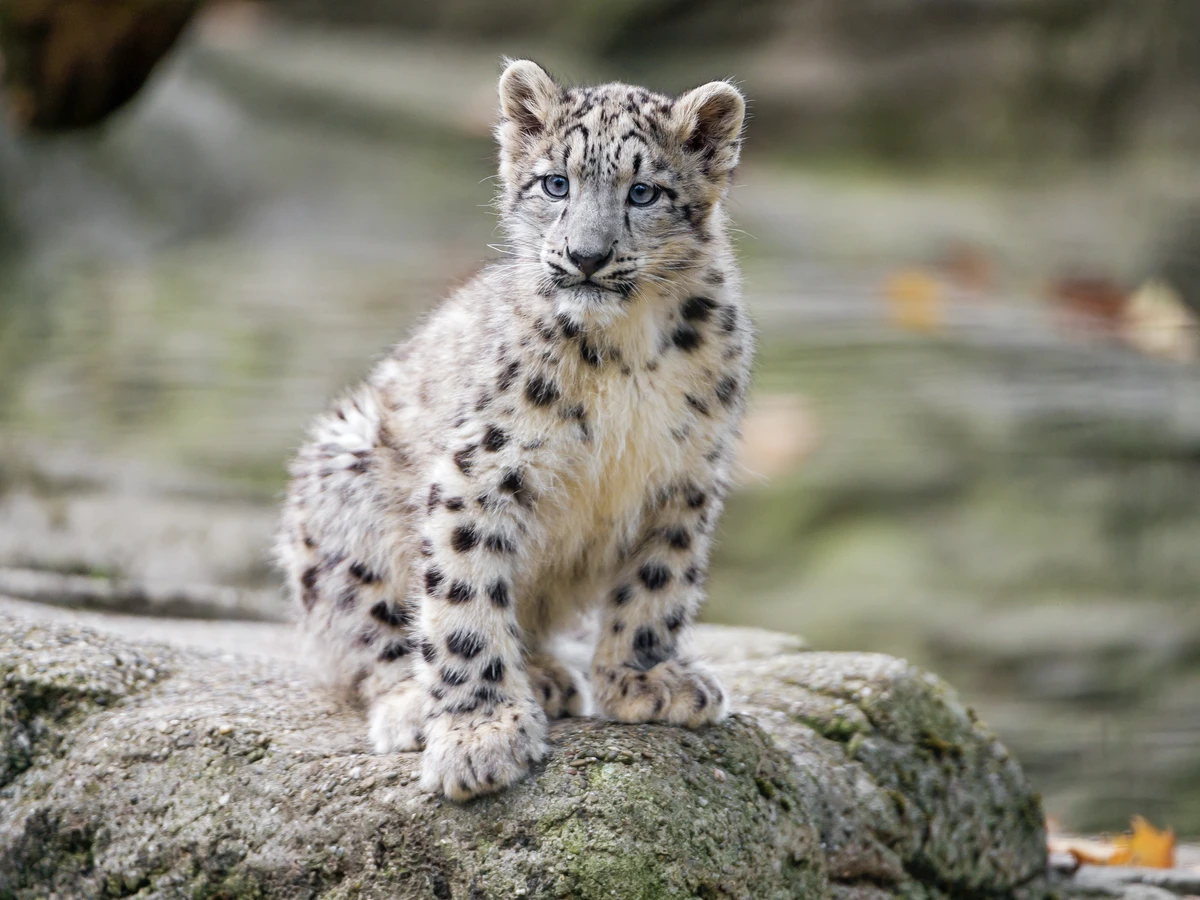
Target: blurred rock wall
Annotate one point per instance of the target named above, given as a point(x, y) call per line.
point(901, 79)
point(908, 80)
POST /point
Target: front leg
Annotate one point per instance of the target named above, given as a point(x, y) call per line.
point(483, 727)
point(637, 672)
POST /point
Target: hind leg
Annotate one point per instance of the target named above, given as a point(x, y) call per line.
point(395, 720)
point(561, 690)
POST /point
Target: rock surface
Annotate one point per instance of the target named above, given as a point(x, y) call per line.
point(131, 768)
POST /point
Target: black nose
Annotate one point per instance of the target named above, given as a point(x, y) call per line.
point(590, 263)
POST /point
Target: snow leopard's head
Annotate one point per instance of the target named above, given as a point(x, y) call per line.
point(610, 192)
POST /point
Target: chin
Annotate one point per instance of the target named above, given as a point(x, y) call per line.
point(591, 303)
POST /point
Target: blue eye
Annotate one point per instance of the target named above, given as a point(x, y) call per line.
point(556, 186)
point(643, 194)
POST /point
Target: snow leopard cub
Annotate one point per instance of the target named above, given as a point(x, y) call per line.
point(553, 442)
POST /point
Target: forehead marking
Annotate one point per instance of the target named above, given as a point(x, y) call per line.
point(527, 185)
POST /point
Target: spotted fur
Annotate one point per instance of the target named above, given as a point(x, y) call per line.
point(546, 446)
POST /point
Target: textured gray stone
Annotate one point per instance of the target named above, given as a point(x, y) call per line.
point(138, 769)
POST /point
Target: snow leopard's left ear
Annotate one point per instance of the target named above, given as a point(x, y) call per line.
point(527, 96)
point(708, 122)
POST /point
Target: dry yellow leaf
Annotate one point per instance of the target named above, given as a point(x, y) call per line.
point(1147, 846)
point(915, 297)
point(1144, 846)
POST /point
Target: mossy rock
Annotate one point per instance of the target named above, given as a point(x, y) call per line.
point(148, 771)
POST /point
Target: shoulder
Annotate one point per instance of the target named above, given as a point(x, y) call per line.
point(457, 337)
point(468, 306)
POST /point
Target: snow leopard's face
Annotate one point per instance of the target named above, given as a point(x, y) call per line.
point(611, 191)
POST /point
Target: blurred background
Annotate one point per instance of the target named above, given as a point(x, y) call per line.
point(970, 231)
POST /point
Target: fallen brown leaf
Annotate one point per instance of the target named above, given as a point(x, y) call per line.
point(968, 267)
point(1091, 303)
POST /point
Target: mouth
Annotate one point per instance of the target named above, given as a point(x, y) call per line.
point(591, 289)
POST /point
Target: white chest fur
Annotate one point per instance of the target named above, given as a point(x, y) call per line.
point(651, 427)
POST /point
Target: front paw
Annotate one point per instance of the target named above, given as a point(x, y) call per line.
point(675, 692)
point(483, 752)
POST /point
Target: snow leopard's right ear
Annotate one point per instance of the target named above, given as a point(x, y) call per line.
point(527, 95)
